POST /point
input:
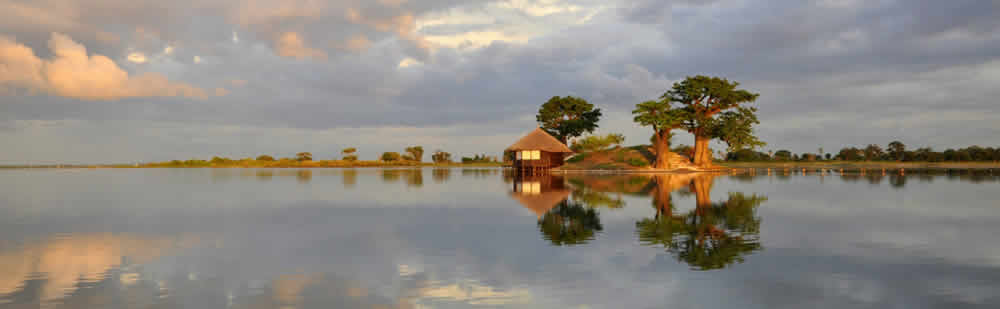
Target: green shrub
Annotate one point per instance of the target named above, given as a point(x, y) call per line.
point(577, 158)
point(637, 162)
point(605, 166)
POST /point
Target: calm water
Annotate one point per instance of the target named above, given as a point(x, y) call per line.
point(456, 238)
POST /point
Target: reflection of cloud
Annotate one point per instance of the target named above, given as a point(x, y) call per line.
point(72, 73)
point(66, 262)
point(475, 294)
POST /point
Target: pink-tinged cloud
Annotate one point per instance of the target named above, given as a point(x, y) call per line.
point(290, 44)
point(72, 73)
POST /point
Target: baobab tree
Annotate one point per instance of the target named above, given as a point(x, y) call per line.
point(704, 98)
point(663, 119)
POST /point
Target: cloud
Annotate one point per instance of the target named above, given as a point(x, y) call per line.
point(137, 57)
point(291, 45)
point(72, 73)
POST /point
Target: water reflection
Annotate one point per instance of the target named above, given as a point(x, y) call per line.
point(262, 239)
point(711, 235)
point(48, 270)
point(441, 175)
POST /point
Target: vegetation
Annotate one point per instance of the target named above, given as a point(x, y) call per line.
point(414, 153)
point(663, 119)
point(390, 156)
point(349, 154)
point(480, 159)
point(896, 152)
point(440, 156)
point(265, 158)
point(566, 117)
point(703, 98)
point(597, 142)
point(303, 156)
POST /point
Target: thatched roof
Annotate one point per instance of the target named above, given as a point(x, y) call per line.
point(539, 140)
point(541, 203)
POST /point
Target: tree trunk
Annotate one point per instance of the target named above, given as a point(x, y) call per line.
point(662, 147)
point(702, 155)
point(664, 205)
point(702, 187)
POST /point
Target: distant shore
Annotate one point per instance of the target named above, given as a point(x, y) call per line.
point(868, 165)
point(275, 164)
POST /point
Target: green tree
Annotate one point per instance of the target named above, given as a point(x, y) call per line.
point(597, 142)
point(663, 119)
point(704, 97)
point(896, 150)
point(414, 153)
point(303, 156)
point(873, 152)
point(735, 128)
point(441, 157)
point(265, 158)
point(783, 155)
point(349, 154)
point(566, 117)
point(391, 156)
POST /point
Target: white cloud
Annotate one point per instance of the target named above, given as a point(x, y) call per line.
point(72, 73)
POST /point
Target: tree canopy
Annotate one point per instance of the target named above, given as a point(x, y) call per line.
point(414, 153)
point(566, 117)
point(663, 119)
point(705, 97)
point(303, 156)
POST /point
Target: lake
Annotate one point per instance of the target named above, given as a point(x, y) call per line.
point(459, 238)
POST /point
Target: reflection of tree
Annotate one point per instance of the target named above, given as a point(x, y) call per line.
point(304, 176)
point(350, 178)
point(441, 175)
point(390, 175)
point(711, 236)
point(596, 199)
point(414, 178)
point(569, 224)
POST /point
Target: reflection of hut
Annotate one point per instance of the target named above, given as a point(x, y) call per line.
point(538, 151)
point(539, 194)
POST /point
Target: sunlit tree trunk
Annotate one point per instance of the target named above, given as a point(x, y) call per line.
point(662, 147)
point(702, 155)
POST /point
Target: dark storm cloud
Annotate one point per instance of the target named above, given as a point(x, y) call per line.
point(833, 72)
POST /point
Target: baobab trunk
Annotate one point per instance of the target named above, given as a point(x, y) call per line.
point(664, 205)
point(702, 155)
point(702, 187)
point(662, 147)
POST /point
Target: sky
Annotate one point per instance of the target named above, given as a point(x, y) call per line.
point(102, 81)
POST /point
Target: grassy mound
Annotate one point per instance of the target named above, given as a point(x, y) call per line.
point(618, 158)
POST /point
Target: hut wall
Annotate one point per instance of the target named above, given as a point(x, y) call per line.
point(546, 160)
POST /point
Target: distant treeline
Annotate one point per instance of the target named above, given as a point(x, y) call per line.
point(894, 151)
point(411, 156)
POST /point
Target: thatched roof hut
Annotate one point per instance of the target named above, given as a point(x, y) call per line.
point(538, 139)
point(538, 150)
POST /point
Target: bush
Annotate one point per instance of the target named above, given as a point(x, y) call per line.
point(391, 156)
point(350, 158)
point(265, 158)
point(577, 158)
point(637, 162)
